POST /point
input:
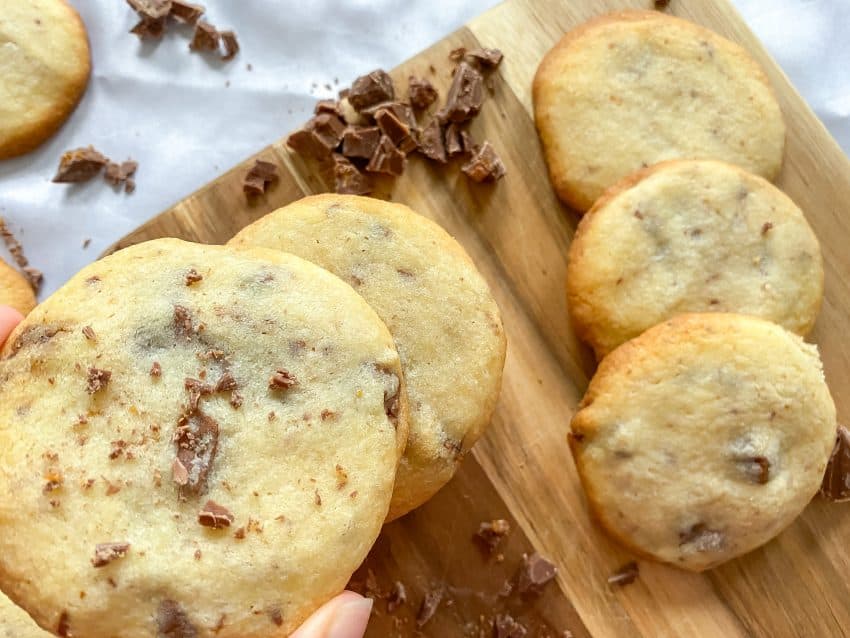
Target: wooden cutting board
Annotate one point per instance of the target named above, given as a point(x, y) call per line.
point(518, 234)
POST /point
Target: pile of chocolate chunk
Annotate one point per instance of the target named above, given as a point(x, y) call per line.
point(370, 129)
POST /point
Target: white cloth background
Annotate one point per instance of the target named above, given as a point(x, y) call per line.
point(171, 110)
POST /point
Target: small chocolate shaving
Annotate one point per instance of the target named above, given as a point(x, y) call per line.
point(193, 277)
point(429, 606)
point(370, 89)
point(491, 533)
point(431, 143)
point(79, 165)
point(183, 325)
point(97, 380)
point(215, 516)
point(105, 553)
point(485, 165)
point(397, 597)
point(151, 8)
point(121, 173)
point(662, 4)
point(225, 383)
point(534, 573)
point(456, 55)
point(360, 141)
point(88, 333)
point(766, 228)
point(465, 97)
point(172, 621)
point(486, 58)
point(230, 44)
point(236, 399)
point(836, 479)
point(179, 473)
point(186, 11)
point(504, 626)
point(420, 92)
point(282, 380)
point(394, 128)
point(156, 369)
point(387, 158)
point(276, 616)
point(626, 575)
point(702, 538)
point(197, 443)
point(63, 628)
point(205, 38)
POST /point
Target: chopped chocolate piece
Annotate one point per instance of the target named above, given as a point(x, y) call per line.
point(490, 534)
point(454, 140)
point(205, 38)
point(331, 107)
point(487, 58)
point(149, 28)
point(702, 538)
point(504, 626)
point(183, 322)
point(318, 137)
point(79, 165)
point(239, 534)
point(329, 129)
point(431, 142)
point(466, 141)
point(662, 4)
point(258, 177)
point(193, 277)
point(172, 621)
point(348, 179)
point(456, 55)
point(97, 380)
point(186, 11)
point(466, 95)
point(156, 369)
point(63, 629)
point(534, 573)
point(402, 111)
point(275, 616)
point(282, 380)
point(105, 553)
point(151, 8)
point(420, 92)
point(89, 334)
point(397, 597)
point(626, 575)
point(387, 159)
point(756, 468)
point(766, 228)
point(485, 165)
point(225, 383)
point(121, 173)
point(305, 142)
point(360, 141)
point(197, 443)
point(230, 44)
point(429, 606)
point(117, 449)
point(836, 480)
point(215, 516)
point(372, 88)
point(394, 128)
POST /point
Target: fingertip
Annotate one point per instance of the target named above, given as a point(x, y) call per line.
point(9, 319)
point(345, 616)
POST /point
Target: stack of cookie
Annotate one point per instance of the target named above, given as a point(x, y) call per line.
point(205, 440)
point(708, 425)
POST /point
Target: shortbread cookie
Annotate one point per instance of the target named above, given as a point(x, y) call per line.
point(16, 623)
point(44, 69)
point(691, 236)
point(704, 437)
point(194, 441)
point(445, 323)
point(630, 89)
point(15, 290)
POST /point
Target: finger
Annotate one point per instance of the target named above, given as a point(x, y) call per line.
point(9, 318)
point(346, 616)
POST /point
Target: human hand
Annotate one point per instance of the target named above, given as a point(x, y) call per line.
point(9, 318)
point(345, 616)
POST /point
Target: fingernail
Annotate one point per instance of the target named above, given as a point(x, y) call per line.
point(350, 619)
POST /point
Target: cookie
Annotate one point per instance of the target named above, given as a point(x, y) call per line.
point(704, 437)
point(633, 88)
point(44, 68)
point(194, 441)
point(15, 290)
point(691, 236)
point(445, 323)
point(15, 623)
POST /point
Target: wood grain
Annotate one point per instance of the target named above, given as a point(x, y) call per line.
point(518, 234)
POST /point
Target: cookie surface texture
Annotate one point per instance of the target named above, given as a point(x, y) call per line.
point(691, 236)
point(15, 623)
point(704, 437)
point(194, 441)
point(445, 323)
point(630, 89)
point(44, 68)
point(15, 290)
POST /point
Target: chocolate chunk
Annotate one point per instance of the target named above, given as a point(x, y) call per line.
point(305, 142)
point(420, 92)
point(402, 112)
point(387, 158)
point(397, 597)
point(534, 573)
point(89, 334)
point(702, 539)
point(205, 38)
point(360, 141)
point(282, 380)
point(79, 165)
point(183, 322)
point(149, 28)
point(225, 383)
point(454, 140)
point(193, 277)
point(456, 55)
point(490, 534)
point(318, 137)
point(756, 468)
point(504, 626)
point(329, 129)
point(766, 228)
point(186, 11)
point(63, 627)
point(348, 179)
point(431, 142)
point(331, 107)
point(369, 89)
point(466, 141)
point(172, 621)
point(196, 440)
point(486, 58)
point(394, 128)
point(466, 95)
point(258, 177)
point(662, 4)
point(626, 575)
point(215, 516)
point(836, 480)
point(151, 8)
point(485, 165)
point(230, 44)
point(391, 393)
point(105, 553)
point(429, 606)
point(97, 380)
point(121, 173)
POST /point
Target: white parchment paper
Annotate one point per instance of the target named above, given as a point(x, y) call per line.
point(186, 117)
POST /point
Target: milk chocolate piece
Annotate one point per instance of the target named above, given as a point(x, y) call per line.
point(328, 106)
point(230, 44)
point(121, 173)
point(186, 11)
point(394, 128)
point(387, 159)
point(172, 621)
point(149, 28)
point(431, 142)
point(702, 539)
point(318, 137)
point(401, 110)
point(626, 575)
point(454, 140)
point(486, 58)
point(534, 573)
point(466, 95)
point(215, 516)
point(485, 165)
point(79, 165)
point(348, 179)
point(97, 380)
point(329, 128)
point(360, 141)
point(258, 177)
point(491, 533)
point(836, 480)
point(372, 88)
point(151, 8)
point(205, 38)
point(196, 440)
point(282, 380)
point(504, 626)
point(429, 606)
point(105, 553)
point(420, 92)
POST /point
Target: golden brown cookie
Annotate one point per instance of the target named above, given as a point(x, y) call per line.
point(15, 290)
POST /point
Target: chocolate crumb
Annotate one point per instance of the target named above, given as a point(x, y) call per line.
point(17, 251)
point(431, 143)
point(89, 334)
point(766, 228)
point(121, 173)
point(341, 476)
point(429, 606)
point(534, 573)
point(662, 4)
point(491, 533)
point(456, 55)
point(186, 11)
point(193, 277)
point(275, 616)
point(465, 97)
point(486, 58)
point(156, 369)
point(172, 621)
point(756, 468)
point(79, 165)
point(387, 159)
point(258, 178)
point(360, 141)
point(626, 575)
point(34, 276)
point(454, 140)
point(485, 165)
point(117, 449)
point(198, 554)
point(205, 38)
point(318, 499)
point(282, 380)
point(151, 8)
point(105, 553)
point(111, 488)
point(397, 597)
point(215, 516)
point(97, 380)
point(370, 89)
point(348, 179)
point(236, 399)
point(183, 325)
point(63, 628)
point(225, 383)
point(230, 44)
point(196, 441)
point(504, 626)
point(836, 480)
point(420, 92)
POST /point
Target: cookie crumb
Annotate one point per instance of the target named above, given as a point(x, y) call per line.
point(97, 379)
point(215, 516)
point(105, 553)
point(282, 380)
point(626, 575)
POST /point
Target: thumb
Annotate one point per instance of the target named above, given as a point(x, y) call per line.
point(9, 318)
point(345, 616)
